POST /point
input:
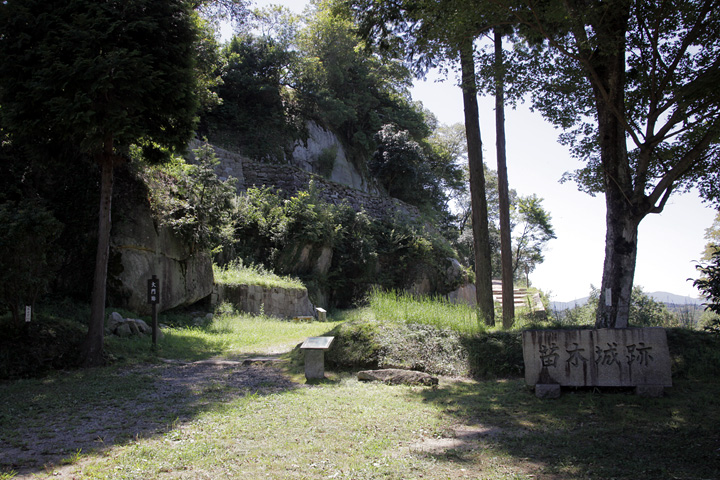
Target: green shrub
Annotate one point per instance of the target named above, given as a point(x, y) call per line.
point(695, 354)
point(389, 252)
point(326, 161)
point(422, 347)
point(29, 255)
point(710, 321)
point(191, 199)
point(495, 354)
point(356, 344)
point(39, 346)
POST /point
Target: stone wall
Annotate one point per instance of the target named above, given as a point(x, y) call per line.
point(291, 179)
point(275, 301)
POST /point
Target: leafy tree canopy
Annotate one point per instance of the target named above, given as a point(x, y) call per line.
point(712, 235)
point(88, 72)
point(255, 114)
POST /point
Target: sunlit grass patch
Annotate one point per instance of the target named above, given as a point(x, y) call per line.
point(338, 430)
point(238, 274)
point(227, 335)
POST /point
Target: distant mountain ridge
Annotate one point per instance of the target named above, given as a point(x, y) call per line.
point(669, 299)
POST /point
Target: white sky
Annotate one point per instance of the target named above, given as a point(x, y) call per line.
point(669, 243)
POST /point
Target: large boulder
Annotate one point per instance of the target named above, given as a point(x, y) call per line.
point(140, 249)
point(465, 294)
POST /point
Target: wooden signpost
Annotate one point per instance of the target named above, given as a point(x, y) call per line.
point(153, 295)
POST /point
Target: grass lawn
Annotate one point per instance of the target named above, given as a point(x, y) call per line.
point(213, 419)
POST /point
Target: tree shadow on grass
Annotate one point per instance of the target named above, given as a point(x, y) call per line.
point(45, 423)
point(585, 433)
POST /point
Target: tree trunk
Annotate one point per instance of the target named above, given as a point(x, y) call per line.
point(606, 72)
point(619, 267)
point(478, 200)
point(508, 296)
point(92, 349)
point(622, 219)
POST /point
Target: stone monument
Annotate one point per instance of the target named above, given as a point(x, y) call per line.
point(623, 357)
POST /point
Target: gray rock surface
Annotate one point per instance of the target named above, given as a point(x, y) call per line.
point(128, 327)
point(320, 140)
point(276, 302)
point(398, 377)
point(140, 249)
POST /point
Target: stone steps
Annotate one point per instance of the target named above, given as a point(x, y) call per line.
point(520, 295)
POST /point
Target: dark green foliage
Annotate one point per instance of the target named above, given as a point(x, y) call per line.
point(255, 116)
point(401, 166)
point(709, 283)
point(85, 71)
point(271, 230)
point(28, 260)
point(32, 349)
point(272, 85)
point(326, 161)
point(191, 199)
point(495, 355)
point(100, 77)
point(350, 90)
point(367, 251)
point(64, 183)
point(695, 354)
point(369, 344)
point(355, 345)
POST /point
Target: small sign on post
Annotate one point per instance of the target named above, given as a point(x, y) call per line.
point(314, 348)
point(153, 295)
point(28, 313)
point(153, 291)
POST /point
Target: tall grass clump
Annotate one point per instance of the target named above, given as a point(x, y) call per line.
point(402, 307)
point(235, 273)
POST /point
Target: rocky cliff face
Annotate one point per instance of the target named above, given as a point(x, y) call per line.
point(141, 249)
point(344, 183)
point(323, 151)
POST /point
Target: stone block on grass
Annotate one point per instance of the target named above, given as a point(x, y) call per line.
point(547, 390)
point(397, 376)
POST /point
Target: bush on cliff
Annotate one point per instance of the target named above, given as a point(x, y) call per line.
point(391, 252)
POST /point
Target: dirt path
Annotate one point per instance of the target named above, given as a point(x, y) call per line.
point(172, 392)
